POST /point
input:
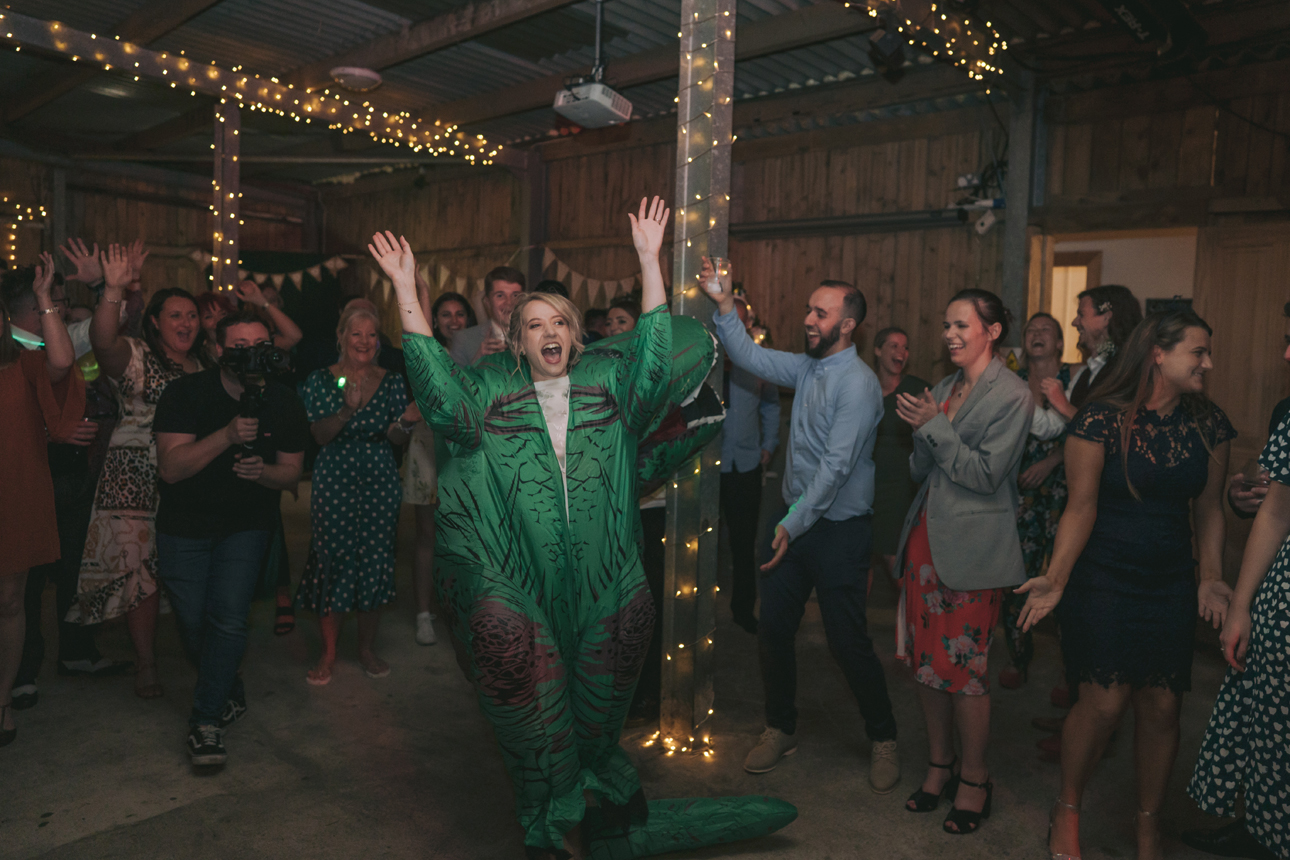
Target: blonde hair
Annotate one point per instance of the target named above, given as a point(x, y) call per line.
point(564, 307)
point(347, 317)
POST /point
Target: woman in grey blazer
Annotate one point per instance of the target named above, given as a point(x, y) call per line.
point(959, 548)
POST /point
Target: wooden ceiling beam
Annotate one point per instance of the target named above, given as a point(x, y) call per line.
point(433, 34)
point(147, 24)
point(774, 35)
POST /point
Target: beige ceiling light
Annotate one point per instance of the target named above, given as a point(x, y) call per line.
point(355, 78)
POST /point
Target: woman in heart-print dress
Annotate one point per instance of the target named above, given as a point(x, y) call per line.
point(1247, 746)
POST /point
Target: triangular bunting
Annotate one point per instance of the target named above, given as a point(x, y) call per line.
point(242, 274)
point(259, 277)
point(296, 278)
point(315, 272)
point(277, 281)
point(548, 257)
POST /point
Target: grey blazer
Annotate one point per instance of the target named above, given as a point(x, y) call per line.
point(968, 470)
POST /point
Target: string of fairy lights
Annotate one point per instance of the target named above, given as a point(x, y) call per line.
point(14, 217)
point(251, 92)
point(945, 34)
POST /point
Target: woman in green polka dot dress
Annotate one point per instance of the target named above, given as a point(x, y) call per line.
point(356, 409)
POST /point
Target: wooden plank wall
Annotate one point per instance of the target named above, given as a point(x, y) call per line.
point(171, 221)
point(907, 276)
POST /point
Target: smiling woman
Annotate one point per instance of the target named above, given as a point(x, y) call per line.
point(118, 569)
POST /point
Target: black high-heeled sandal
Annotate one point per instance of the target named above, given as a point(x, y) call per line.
point(925, 801)
point(965, 820)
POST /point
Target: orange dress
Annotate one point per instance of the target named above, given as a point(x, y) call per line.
point(29, 404)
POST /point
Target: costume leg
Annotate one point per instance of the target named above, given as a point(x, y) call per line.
point(522, 682)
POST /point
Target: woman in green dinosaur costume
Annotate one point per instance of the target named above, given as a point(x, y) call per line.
point(538, 563)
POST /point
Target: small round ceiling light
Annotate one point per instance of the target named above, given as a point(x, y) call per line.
point(355, 78)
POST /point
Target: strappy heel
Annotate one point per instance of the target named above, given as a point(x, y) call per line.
point(925, 801)
point(966, 820)
point(1052, 816)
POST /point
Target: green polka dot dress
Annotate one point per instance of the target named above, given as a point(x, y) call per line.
point(354, 507)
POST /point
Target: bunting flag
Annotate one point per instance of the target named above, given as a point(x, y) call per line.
point(277, 281)
point(259, 277)
point(548, 257)
point(296, 278)
point(561, 271)
point(315, 272)
point(242, 274)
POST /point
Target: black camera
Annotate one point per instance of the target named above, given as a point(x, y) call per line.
point(252, 364)
point(259, 360)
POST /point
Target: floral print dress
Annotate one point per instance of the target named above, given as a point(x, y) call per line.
point(1247, 745)
point(119, 565)
point(947, 632)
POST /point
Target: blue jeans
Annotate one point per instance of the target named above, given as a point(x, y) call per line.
point(833, 559)
point(210, 582)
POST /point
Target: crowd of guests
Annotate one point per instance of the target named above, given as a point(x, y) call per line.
point(154, 438)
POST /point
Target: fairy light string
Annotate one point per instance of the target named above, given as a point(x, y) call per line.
point(344, 112)
point(14, 216)
point(967, 42)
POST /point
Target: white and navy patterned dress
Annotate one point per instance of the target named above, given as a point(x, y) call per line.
point(1246, 749)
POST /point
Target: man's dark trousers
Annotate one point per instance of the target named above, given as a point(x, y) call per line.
point(832, 558)
point(740, 508)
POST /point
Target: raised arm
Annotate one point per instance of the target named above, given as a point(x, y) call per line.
point(447, 395)
point(286, 333)
point(110, 347)
point(772, 365)
point(647, 236)
point(59, 354)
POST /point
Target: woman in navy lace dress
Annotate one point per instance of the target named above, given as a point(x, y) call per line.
point(1145, 459)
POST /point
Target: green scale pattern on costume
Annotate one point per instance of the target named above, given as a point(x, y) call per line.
point(551, 614)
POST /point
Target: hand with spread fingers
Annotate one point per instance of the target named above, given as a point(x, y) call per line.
point(86, 261)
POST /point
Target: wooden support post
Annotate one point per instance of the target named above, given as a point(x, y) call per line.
point(702, 218)
point(534, 206)
point(58, 214)
point(227, 189)
point(1019, 184)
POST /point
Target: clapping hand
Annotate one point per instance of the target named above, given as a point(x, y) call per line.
point(1042, 597)
point(353, 393)
point(916, 410)
point(116, 266)
point(88, 269)
point(136, 254)
point(648, 229)
point(1213, 597)
point(396, 259)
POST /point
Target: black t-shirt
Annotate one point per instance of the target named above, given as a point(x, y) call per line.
point(215, 502)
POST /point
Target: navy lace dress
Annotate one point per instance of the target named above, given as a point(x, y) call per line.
point(1128, 615)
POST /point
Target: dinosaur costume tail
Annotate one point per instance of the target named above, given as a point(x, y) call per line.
point(686, 825)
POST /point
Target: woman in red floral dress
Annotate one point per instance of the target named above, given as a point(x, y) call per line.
point(960, 549)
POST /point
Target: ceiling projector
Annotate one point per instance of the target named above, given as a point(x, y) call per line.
point(592, 105)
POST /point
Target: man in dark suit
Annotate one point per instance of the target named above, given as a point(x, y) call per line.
point(503, 287)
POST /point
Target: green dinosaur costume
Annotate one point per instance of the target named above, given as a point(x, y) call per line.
point(550, 603)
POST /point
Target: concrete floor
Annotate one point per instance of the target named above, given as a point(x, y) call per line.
point(406, 767)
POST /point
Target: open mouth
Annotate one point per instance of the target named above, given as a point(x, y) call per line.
point(552, 353)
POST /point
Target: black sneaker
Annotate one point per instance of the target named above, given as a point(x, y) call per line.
point(234, 710)
point(206, 746)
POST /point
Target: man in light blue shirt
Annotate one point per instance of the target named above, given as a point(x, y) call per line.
point(823, 540)
point(750, 435)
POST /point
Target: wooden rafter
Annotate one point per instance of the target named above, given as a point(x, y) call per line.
point(147, 24)
point(774, 35)
point(433, 34)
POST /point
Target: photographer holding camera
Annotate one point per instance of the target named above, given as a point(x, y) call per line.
point(228, 441)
